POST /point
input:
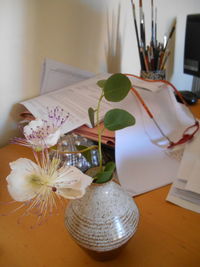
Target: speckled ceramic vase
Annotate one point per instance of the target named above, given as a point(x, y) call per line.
point(103, 220)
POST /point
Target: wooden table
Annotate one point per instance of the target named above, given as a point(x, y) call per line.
point(167, 236)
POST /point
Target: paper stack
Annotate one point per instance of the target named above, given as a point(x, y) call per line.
point(185, 190)
point(74, 100)
point(143, 161)
point(107, 137)
point(74, 90)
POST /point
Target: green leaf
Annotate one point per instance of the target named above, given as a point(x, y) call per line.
point(105, 175)
point(117, 87)
point(110, 166)
point(91, 113)
point(86, 154)
point(116, 119)
point(101, 83)
point(93, 171)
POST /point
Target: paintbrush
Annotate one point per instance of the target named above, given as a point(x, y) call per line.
point(142, 27)
point(170, 35)
point(155, 33)
point(137, 35)
point(152, 24)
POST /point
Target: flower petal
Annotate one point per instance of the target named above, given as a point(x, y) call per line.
point(19, 186)
point(42, 134)
point(52, 138)
point(33, 125)
point(72, 183)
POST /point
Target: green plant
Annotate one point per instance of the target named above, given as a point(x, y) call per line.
point(39, 185)
point(114, 89)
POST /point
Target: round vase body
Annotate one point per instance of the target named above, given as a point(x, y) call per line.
point(103, 220)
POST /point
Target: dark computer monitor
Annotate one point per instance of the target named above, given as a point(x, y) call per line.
point(192, 45)
point(192, 51)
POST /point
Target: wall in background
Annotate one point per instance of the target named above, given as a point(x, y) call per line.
point(94, 35)
point(18, 60)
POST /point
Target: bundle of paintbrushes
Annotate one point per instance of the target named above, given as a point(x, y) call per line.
point(153, 57)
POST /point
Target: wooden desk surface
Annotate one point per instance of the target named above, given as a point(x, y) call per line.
point(167, 236)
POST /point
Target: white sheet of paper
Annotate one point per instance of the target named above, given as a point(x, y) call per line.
point(183, 198)
point(190, 161)
point(142, 165)
point(194, 181)
point(74, 99)
point(185, 190)
point(56, 75)
point(142, 84)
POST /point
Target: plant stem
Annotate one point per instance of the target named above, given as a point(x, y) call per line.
point(78, 151)
point(99, 130)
